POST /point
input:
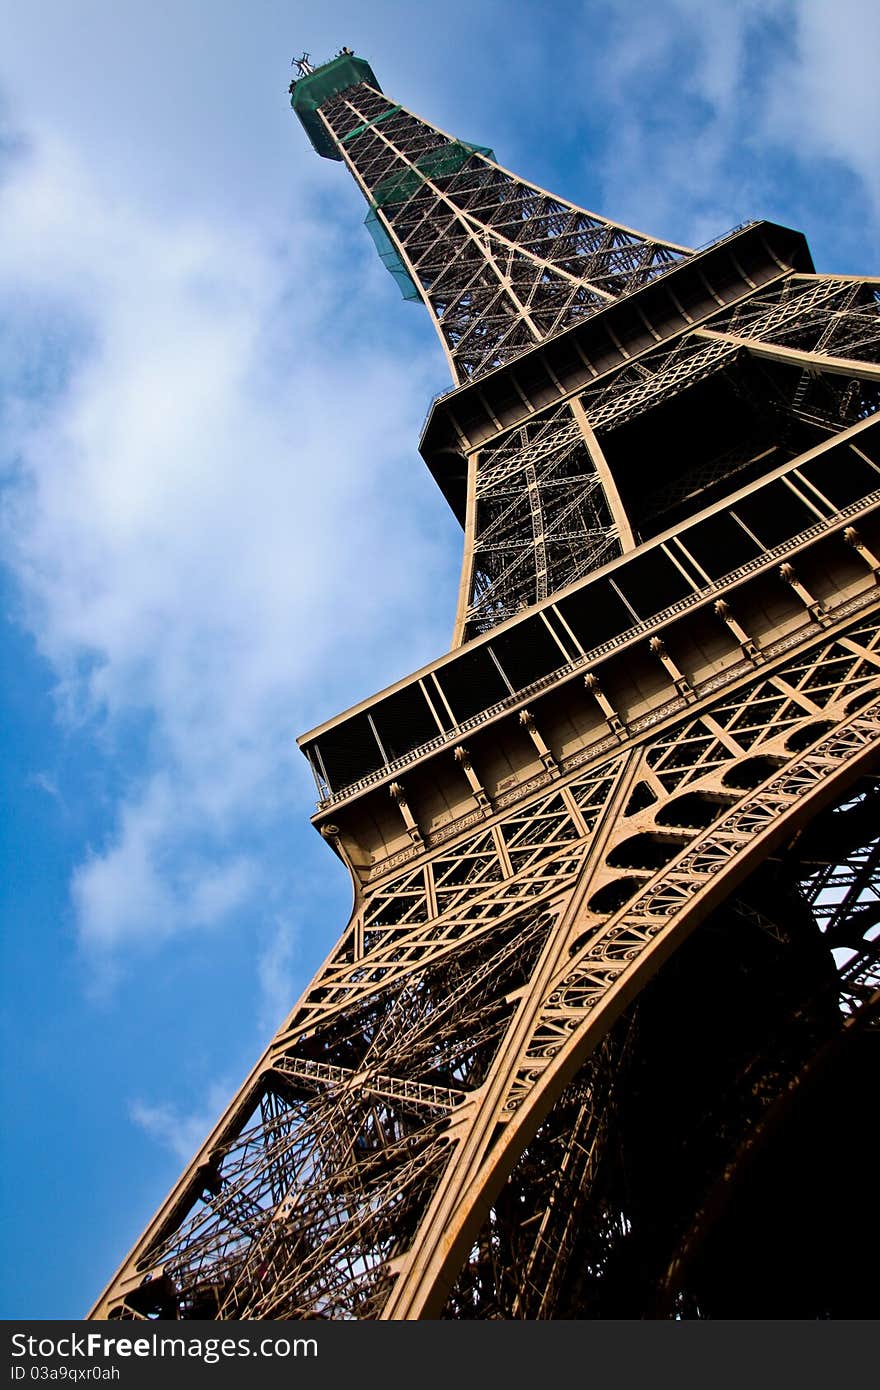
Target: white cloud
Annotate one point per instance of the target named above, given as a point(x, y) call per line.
point(150, 882)
point(702, 98)
point(829, 100)
point(181, 1132)
point(217, 516)
point(46, 783)
point(192, 519)
point(670, 82)
point(275, 974)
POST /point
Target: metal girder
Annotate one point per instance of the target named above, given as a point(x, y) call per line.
point(428, 1060)
point(500, 263)
point(543, 514)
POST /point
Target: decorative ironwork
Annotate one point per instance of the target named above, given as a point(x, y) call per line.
point(500, 263)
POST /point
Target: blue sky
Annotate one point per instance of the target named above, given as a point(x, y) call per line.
point(215, 524)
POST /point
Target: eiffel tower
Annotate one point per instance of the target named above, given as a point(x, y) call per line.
point(599, 1036)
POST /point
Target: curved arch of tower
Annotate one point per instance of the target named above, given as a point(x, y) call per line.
point(597, 1037)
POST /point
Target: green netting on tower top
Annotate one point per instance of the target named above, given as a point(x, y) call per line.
point(436, 164)
point(327, 81)
point(367, 125)
point(389, 256)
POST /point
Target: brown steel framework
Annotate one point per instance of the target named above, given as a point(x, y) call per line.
point(598, 1038)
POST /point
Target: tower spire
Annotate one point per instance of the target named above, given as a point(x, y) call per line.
point(501, 263)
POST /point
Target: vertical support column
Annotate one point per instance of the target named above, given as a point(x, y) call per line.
point(615, 723)
point(463, 758)
point(526, 719)
point(853, 538)
point(397, 794)
point(814, 607)
point(679, 679)
point(748, 647)
point(606, 477)
point(466, 582)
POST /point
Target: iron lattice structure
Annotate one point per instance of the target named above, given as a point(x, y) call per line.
point(597, 1037)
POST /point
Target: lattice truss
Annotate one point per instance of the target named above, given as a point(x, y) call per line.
point(501, 264)
point(574, 1233)
point(542, 519)
point(816, 314)
point(318, 1191)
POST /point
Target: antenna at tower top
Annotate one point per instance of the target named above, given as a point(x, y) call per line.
point(305, 67)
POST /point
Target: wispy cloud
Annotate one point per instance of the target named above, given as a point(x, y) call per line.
point(828, 96)
point(177, 1130)
point(709, 108)
point(211, 445)
point(195, 501)
point(45, 783)
point(152, 880)
point(276, 973)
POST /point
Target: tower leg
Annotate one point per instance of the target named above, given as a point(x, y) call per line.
point(459, 1032)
